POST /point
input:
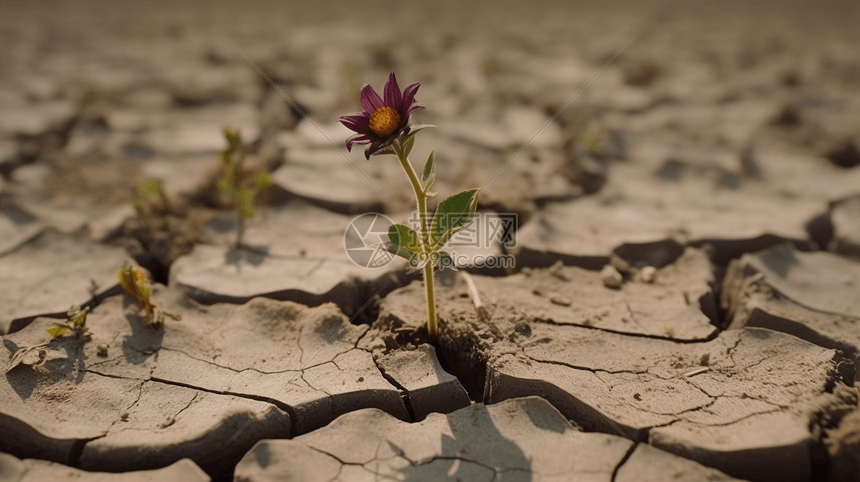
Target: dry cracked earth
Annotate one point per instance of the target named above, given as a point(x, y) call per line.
point(684, 302)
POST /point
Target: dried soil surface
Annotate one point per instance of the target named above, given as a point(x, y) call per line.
point(677, 299)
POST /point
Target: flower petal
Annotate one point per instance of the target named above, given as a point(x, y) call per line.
point(412, 108)
point(359, 123)
point(357, 139)
point(409, 95)
point(393, 97)
point(371, 149)
point(370, 100)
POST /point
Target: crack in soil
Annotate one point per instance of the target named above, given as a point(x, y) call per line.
point(342, 462)
point(730, 351)
point(272, 401)
point(404, 393)
point(593, 370)
point(633, 317)
point(726, 424)
point(496, 473)
point(623, 461)
point(171, 420)
point(78, 449)
point(550, 321)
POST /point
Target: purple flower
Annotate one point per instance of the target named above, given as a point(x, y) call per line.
point(382, 121)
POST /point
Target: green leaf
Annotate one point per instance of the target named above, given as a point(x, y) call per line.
point(592, 141)
point(245, 198)
point(405, 237)
point(429, 174)
point(452, 214)
point(399, 251)
point(429, 182)
point(77, 316)
point(57, 329)
point(225, 184)
point(234, 140)
point(263, 181)
point(428, 168)
point(150, 187)
point(407, 146)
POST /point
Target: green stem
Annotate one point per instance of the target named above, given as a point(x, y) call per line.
point(432, 325)
point(424, 230)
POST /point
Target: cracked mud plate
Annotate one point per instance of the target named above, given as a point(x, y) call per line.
point(52, 272)
point(738, 403)
point(813, 296)
point(520, 439)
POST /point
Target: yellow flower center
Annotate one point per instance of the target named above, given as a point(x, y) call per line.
point(384, 121)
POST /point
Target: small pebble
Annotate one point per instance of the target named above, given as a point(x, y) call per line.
point(555, 270)
point(611, 277)
point(648, 274)
point(524, 329)
point(560, 300)
point(620, 264)
point(102, 350)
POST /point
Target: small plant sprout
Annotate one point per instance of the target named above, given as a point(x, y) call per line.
point(151, 197)
point(76, 323)
point(590, 140)
point(135, 282)
point(385, 125)
point(35, 355)
point(97, 96)
point(230, 182)
point(151, 204)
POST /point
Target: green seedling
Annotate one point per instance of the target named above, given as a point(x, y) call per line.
point(590, 140)
point(135, 283)
point(231, 185)
point(34, 355)
point(384, 124)
point(97, 96)
point(151, 204)
point(150, 196)
point(76, 323)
